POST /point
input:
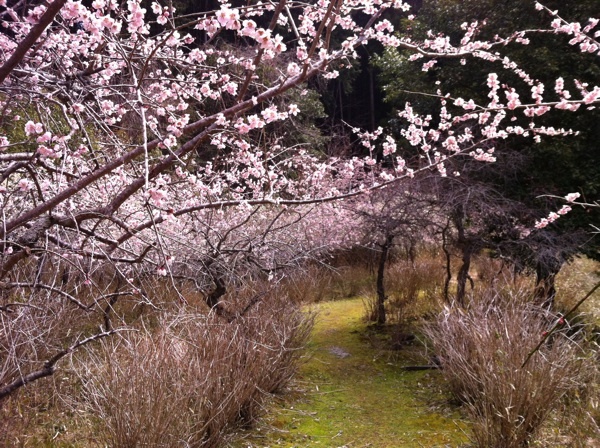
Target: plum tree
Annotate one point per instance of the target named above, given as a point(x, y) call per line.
point(139, 143)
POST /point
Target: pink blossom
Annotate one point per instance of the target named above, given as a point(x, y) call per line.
point(33, 128)
point(71, 10)
point(451, 144)
point(389, 146)
point(210, 25)
point(231, 88)
point(278, 45)
point(513, 99)
point(593, 96)
point(158, 197)
point(428, 65)
point(293, 109)
point(552, 216)
point(492, 81)
point(228, 18)
point(572, 197)
point(269, 114)
point(243, 128)
point(248, 28)
point(45, 151)
point(255, 122)
point(161, 20)
point(170, 141)
point(135, 20)
point(470, 105)
point(301, 53)
point(483, 156)
point(293, 69)
point(25, 185)
point(174, 39)
point(45, 137)
point(3, 143)
point(536, 93)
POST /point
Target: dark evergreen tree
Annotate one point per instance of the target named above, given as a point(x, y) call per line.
point(525, 172)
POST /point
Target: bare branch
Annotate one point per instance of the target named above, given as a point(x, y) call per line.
point(50, 365)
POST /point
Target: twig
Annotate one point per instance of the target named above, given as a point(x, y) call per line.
point(50, 365)
point(559, 323)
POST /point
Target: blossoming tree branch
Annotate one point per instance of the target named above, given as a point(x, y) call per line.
point(136, 142)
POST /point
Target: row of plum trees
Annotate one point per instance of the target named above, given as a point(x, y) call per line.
point(137, 143)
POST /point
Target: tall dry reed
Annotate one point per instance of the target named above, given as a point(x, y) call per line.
point(192, 378)
point(482, 350)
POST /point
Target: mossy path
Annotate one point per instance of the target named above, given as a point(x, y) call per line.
point(354, 396)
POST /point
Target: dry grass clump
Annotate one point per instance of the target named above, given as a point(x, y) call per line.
point(32, 330)
point(310, 284)
point(413, 289)
point(351, 281)
point(192, 378)
point(574, 281)
point(316, 283)
point(482, 350)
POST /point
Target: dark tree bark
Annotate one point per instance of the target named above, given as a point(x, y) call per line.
point(448, 263)
point(213, 298)
point(545, 286)
point(463, 275)
point(468, 249)
point(381, 297)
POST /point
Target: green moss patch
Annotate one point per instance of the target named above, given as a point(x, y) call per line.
point(355, 396)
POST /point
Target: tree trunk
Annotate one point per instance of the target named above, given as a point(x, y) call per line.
point(467, 248)
point(463, 275)
point(213, 298)
point(448, 264)
point(381, 298)
point(545, 288)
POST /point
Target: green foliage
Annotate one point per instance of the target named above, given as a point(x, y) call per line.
point(557, 165)
point(302, 129)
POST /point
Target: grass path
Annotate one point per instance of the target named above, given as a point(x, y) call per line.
point(354, 396)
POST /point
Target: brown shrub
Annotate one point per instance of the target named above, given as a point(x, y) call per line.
point(481, 351)
point(194, 377)
point(412, 289)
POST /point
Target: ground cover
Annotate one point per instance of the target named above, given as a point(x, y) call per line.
point(351, 391)
point(574, 281)
point(355, 396)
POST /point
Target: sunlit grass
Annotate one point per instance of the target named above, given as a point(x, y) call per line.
point(356, 397)
point(574, 281)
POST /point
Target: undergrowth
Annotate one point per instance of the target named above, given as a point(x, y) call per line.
point(351, 391)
